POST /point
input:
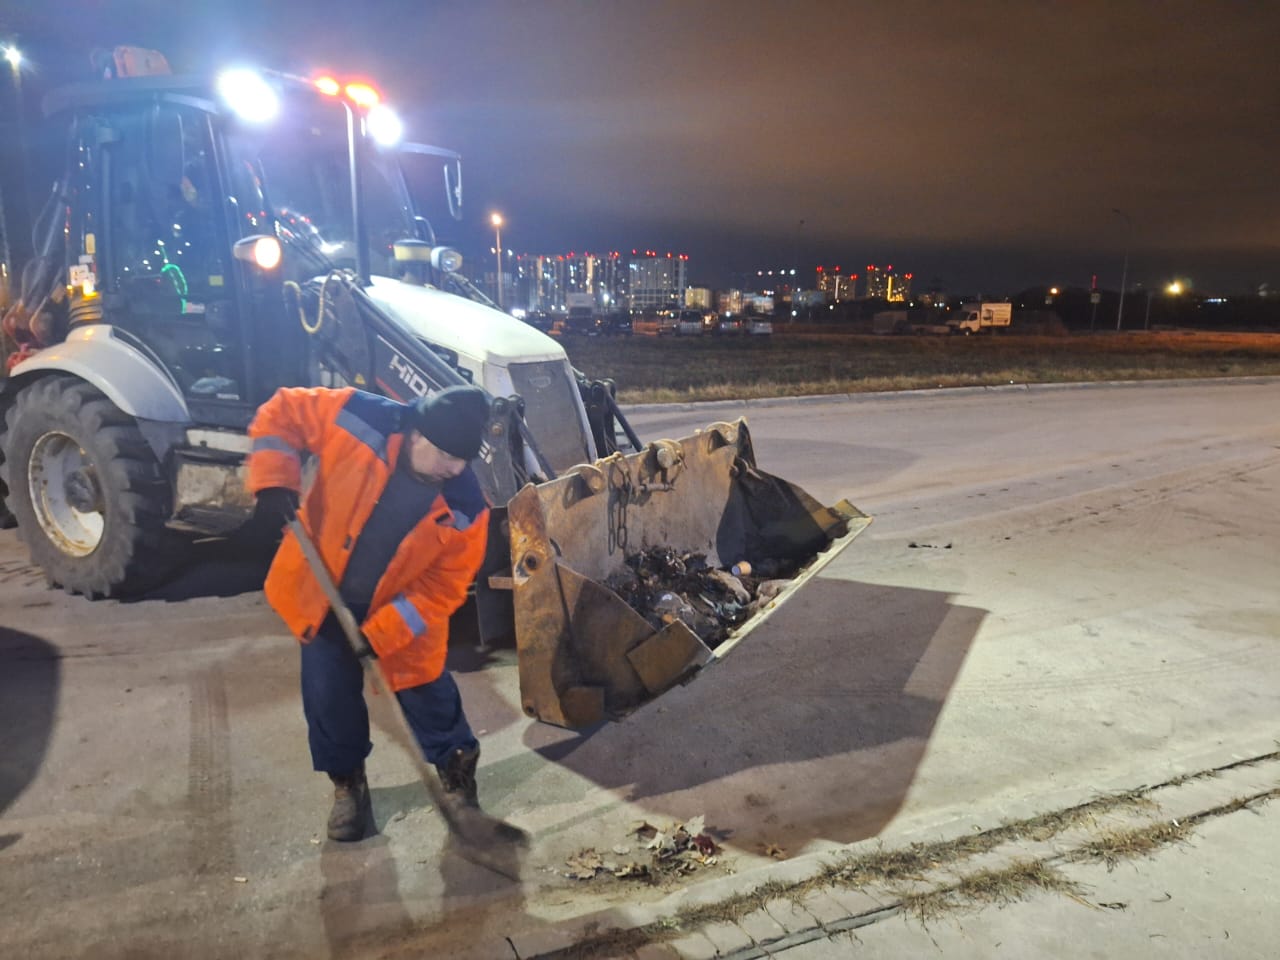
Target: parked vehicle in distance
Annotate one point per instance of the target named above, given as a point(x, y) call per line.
point(578, 323)
point(690, 323)
point(979, 317)
point(759, 326)
point(580, 314)
point(730, 324)
point(655, 323)
point(540, 321)
point(614, 323)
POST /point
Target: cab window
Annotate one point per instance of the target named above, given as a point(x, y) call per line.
point(170, 257)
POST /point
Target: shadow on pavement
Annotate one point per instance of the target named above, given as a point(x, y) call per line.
point(813, 727)
point(214, 567)
point(360, 901)
point(30, 678)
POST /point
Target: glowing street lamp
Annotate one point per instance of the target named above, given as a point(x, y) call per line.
point(496, 220)
point(1173, 289)
point(12, 56)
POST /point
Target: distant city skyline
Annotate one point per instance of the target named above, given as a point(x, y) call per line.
point(645, 279)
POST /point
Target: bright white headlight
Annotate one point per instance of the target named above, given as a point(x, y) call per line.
point(384, 126)
point(250, 96)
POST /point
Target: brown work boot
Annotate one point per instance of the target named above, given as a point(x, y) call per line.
point(352, 808)
point(458, 774)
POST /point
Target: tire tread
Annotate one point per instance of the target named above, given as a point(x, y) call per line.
point(133, 554)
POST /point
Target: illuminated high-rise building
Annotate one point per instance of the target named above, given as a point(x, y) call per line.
point(656, 281)
point(836, 286)
point(884, 284)
point(877, 283)
point(543, 282)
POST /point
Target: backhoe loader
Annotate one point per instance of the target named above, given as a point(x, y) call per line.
point(205, 240)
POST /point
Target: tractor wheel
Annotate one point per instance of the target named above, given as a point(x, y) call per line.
point(90, 498)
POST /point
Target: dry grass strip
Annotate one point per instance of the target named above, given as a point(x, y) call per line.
point(890, 868)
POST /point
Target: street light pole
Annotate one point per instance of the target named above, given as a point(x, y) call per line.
point(1124, 271)
point(795, 271)
point(496, 220)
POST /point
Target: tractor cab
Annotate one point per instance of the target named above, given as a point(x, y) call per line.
point(169, 180)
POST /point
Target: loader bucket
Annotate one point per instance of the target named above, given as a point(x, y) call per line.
point(585, 654)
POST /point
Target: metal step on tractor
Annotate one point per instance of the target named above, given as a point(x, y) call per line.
point(203, 241)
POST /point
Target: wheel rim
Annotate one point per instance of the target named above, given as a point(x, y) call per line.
point(65, 494)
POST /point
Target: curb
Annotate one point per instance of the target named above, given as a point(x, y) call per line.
point(767, 402)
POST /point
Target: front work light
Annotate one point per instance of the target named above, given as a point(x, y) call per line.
point(419, 251)
point(446, 259)
point(384, 126)
point(261, 250)
point(249, 95)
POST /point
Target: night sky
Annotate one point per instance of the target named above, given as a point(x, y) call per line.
point(982, 146)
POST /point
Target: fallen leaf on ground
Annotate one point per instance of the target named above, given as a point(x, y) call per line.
point(584, 864)
point(775, 851)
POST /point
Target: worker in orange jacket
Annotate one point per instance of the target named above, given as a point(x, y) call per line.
point(400, 521)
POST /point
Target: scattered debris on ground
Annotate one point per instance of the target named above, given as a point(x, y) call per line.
point(663, 585)
point(899, 872)
point(677, 851)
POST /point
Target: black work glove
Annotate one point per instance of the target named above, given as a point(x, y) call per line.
point(277, 505)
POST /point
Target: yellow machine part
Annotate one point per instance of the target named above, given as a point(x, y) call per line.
point(584, 654)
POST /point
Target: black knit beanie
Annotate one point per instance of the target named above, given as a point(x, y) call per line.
point(452, 419)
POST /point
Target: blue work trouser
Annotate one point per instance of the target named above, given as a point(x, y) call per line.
point(338, 719)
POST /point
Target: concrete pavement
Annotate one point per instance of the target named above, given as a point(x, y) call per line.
point(1065, 592)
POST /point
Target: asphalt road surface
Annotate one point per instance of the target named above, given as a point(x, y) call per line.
point(1065, 590)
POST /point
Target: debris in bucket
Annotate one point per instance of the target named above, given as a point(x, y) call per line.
point(663, 585)
point(679, 850)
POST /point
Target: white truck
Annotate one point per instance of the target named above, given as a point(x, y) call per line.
point(581, 313)
point(981, 317)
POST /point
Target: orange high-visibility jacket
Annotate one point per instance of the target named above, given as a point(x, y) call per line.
point(356, 438)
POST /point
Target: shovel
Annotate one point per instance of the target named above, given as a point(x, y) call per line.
point(477, 833)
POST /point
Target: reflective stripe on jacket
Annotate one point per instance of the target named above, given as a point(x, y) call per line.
point(356, 439)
